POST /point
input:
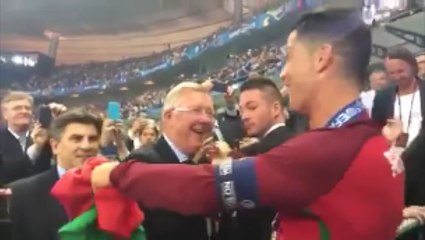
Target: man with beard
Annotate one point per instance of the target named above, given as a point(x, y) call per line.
point(330, 182)
point(187, 118)
point(35, 214)
point(405, 99)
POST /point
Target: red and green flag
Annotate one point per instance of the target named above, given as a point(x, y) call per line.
point(103, 215)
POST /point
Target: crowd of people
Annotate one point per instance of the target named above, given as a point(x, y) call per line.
point(253, 62)
point(116, 72)
point(338, 162)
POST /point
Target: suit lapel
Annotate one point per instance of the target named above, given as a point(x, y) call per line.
point(422, 94)
point(29, 142)
point(54, 211)
point(165, 151)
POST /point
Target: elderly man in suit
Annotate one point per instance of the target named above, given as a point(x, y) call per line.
point(24, 152)
point(35, 214)
point(187, 119)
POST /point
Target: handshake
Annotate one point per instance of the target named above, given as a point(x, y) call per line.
point(214, 151)
point(219, 151)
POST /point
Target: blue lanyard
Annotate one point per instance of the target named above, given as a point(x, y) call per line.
point(346, 114)
point(343, 116)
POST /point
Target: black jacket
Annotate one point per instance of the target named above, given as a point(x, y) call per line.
point(161, 224)
point(254, 224)
point(383, 103)
point(36, 214)
point(15, 163)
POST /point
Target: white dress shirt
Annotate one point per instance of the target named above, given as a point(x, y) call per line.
point(180, 155)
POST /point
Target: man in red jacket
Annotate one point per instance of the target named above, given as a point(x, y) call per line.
point(332, 182)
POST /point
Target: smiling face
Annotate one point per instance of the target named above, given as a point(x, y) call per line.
point(190, 120)
point(18, 113)
point(298, 73)
point(76, 143)
point(399, 71)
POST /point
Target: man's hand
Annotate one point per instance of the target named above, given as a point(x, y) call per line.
point(219, 152)
point(229, 96)
point(5, 192)
point(39, 136)
point(247, 141)
point(208, 85)
point(416, 212)
point(100, 176)
point(392, 130)
point(112, 132)
point(57, 109)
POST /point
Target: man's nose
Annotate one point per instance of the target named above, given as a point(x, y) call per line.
point(206, 119)
point(244, 117)
point(86, 144)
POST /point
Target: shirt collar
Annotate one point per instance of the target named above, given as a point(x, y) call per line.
point(180, 155)
point(272, 128)
point(61, 171)
point(17, 136)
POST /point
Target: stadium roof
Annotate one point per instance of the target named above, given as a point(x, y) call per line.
point(414, 23)
point(374, 60)
point(411, 47)
point(384, 39)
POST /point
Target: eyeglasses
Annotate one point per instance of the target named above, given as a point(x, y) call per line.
point(198, 111)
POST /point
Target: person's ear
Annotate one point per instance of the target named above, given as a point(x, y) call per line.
point(322, 58)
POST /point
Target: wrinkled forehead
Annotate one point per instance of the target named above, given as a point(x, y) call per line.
point(191, 98)
point(16, 103)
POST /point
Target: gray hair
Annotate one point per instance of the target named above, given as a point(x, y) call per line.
point(174, 95)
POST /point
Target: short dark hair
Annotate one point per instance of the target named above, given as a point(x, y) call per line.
point(265, 85)
point(405, 55)
point(78, 115)
point(345, 30)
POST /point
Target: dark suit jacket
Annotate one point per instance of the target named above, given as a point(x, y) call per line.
point(166, 225)
point(15, 163)
point(232, 128)
point(255, 224)
point(414, 162)
point(35, 214)
point(413, 157)
point(383, 104)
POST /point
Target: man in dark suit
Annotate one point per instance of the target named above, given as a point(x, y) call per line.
point(35, 214)
point(264, 117)
point(187, 118)
point(24, 152)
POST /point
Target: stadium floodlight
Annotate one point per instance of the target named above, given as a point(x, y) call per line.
point(18, 59)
